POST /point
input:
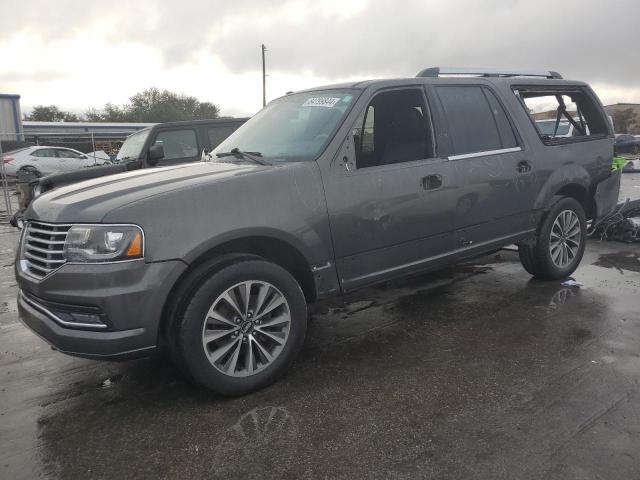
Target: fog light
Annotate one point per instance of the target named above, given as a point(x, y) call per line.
point(79, 318)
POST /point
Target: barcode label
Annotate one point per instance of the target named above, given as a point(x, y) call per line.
point(321, 102)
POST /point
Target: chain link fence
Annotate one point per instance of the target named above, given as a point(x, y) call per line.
point(99, 148)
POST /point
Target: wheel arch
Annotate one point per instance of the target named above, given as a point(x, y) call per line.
point(570, 181)
point(269, 247)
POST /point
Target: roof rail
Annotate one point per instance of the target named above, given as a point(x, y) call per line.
point(486, 72)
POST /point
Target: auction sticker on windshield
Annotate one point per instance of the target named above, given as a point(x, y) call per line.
point(321, 102)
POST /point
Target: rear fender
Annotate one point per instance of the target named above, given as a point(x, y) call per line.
point(567, 175)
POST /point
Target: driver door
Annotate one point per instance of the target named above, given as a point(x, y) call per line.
point(179, 145)
point(388, 195)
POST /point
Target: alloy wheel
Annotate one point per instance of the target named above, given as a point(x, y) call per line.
point(565, 238)
point(246, 328)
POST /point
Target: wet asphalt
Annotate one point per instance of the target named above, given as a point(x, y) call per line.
point(474, 372)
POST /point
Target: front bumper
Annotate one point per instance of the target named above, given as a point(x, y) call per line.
point(129, 296)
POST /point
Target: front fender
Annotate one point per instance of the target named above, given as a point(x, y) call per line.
point(304, 248)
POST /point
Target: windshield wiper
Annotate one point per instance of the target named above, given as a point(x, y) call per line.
point(236, 152)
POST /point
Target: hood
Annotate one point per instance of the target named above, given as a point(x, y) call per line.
point(91, 200)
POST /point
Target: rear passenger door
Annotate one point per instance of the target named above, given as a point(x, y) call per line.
point(180, 145)
point(495, 177)
point(46, 161)
point(68, 160)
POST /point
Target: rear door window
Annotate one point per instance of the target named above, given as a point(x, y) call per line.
point(43, 153)
point(218, 134)
point(178, 145)
point(505, 130)
point(63, 153)
point(476, 120)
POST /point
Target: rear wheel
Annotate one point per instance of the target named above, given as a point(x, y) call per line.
point(29, 169)
point(560, 242)
point(242, 327)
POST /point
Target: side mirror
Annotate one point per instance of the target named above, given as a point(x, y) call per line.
point(156, 153)
point(206, 156)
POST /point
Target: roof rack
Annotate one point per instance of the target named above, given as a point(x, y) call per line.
point(487, 72)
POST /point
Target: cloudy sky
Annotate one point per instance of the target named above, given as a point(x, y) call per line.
point(79, 54)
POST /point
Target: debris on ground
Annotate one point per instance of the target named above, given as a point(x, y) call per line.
point(572, 282)
point(623, 224)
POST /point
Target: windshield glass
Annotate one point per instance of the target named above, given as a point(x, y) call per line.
point(546, 127)
point(132, 146)
point(295, 127)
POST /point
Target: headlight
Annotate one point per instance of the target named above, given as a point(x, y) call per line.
point(103, 243)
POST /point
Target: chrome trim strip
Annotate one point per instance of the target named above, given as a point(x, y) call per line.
point(54, 317)
point(48, 232)
point(43, 260)
point(324, 266)
point(48, 242)
point(44, 251)
point(485, 153)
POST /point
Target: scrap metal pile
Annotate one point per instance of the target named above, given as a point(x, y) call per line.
point(623, 224)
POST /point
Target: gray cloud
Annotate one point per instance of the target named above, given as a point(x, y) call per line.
point(583, 39)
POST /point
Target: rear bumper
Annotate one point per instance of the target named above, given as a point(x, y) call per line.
point(128, 298)
point(607, 193)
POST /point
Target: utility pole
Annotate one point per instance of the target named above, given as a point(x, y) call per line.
point(264, 78)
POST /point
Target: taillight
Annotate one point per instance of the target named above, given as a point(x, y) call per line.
point(7, 159)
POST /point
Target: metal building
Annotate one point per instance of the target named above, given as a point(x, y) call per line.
point(10, 117)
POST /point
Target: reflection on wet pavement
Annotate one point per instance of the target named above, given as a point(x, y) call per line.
point(475, 372)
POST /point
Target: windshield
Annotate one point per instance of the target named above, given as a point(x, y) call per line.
point(546, 127)
point(295, 127)
point(132, 146)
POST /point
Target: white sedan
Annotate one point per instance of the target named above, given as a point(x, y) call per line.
point(47, 160)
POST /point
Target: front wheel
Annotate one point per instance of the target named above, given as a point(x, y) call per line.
point(242, 327)
point(560, 242)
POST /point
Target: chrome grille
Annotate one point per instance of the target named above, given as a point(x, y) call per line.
point(42, 248)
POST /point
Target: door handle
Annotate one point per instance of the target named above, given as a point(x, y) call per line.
point(524, 166)
point(432, 182)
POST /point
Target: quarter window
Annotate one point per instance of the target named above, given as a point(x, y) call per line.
point(563, 115)
point(476, 120)
point(178, 144)
point(394, 128)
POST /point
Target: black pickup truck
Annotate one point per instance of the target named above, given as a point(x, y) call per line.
point(159, 145)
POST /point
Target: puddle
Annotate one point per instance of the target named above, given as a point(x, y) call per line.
point(623, 260)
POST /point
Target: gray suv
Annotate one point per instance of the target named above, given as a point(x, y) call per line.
point(322, 192)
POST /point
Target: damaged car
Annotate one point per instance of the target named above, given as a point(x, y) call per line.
point(322, 192)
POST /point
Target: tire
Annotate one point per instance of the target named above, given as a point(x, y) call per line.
point(548, 259)
point(636, 149)
point(254, 349)
point(30, 169)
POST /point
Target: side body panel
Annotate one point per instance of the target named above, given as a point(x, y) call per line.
point(384, 221)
